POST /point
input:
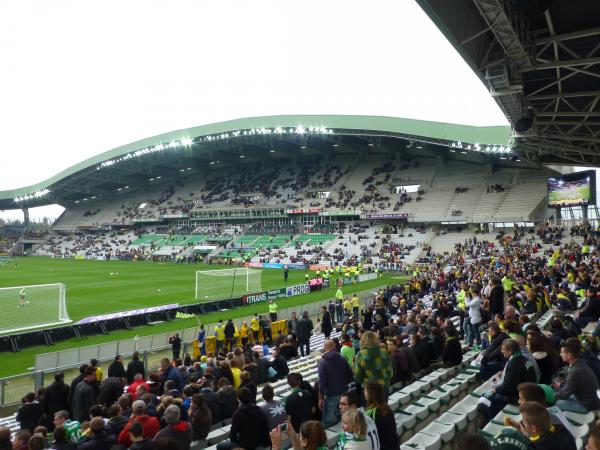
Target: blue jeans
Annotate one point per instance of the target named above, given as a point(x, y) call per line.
point(474, 333)
point(331, 410)
point(467, 329)
point(571, 404)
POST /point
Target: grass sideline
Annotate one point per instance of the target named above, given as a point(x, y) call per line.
point(20, 362)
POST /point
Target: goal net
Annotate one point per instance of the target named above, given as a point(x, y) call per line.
point(226, 283)
point(30, 307)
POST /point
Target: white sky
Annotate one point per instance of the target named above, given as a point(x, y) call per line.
point(81, 77)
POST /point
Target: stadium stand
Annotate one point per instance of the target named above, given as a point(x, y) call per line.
point(538, 289)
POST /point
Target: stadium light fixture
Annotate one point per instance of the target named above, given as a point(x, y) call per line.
point(187, 142)
point(336, 145)
point(271, 151)
point(119, 189)
point(242, 156)
point(158, 178)
point(304, 146)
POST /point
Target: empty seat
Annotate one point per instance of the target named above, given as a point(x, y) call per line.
point(424, 441)
point(445, 431)
point(419, 410)
point(450, 418)
point(404, 421)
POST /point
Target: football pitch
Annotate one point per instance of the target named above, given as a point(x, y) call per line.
point(92, 290)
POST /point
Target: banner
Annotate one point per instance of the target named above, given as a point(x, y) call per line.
point(211, 345)
point(367, 276)
point(298, 289)
point(257, 265)
point(386, 215)
point(264, 296)
point(315, 267)
point(341, 213)
point(303, 211)
point(130, 313)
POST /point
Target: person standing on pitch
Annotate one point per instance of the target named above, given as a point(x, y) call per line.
point(286, 272)
point(273, 311)
point(175, 342)
point(22, 297)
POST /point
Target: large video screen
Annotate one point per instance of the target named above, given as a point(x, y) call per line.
point(573, 189)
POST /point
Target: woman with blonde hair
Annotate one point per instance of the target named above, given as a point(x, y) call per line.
point(372, 362)
point(353, 435)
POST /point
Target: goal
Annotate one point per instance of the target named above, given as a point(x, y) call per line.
point(222, 284)
point(30, 307)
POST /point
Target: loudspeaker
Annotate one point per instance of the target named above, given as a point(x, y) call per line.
point(523, 124)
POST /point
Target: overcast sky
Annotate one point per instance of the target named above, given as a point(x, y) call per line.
point(81, 77)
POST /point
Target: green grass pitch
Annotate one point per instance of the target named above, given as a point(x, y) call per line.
point(91, 290)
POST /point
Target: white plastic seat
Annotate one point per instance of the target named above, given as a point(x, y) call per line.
point(393, 402)
point(465, 407)
point(441, 395)
point(431, 379)
point(425, 442)
point(458, 420)
point(453, 389)
point(421, 411)
point(494, 428)
point(218, 435)
point(432, 403)
point(445, 431)
point(403, 397)
point(331, 438)
point(405, 421)
point(580, 417)
point(413, 389)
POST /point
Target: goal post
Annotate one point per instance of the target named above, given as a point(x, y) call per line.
point(223, 284)
point(32, 307)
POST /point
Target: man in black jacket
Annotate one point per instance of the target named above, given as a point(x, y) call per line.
point(134, 367)
point(84, 396)
point(517, 370)
point(279, 364)
point(116, 368)
point(326, 326)
point(304, 329)
point(299, 402)
point(56, 399)
point(248, 425)
point(229, 335)
point(496, 300)
point(492, 360)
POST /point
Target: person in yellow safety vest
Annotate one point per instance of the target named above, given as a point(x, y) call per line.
point(355, 305)
point(318, 273)
point(220, 335)
point(273, 311)
point(347, 306)
point(254, 327)
point(507, 283)
point(306, 277)
point(462, 306)
point(585, 250)
point(339, 295)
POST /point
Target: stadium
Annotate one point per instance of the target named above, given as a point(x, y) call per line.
point(366, 281)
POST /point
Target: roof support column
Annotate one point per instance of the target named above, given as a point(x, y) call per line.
point(25, 217)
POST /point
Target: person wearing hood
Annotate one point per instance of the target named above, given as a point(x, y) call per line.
point(248, 425)
point(347, 350)
point(178, 430)
point(334, 376)
point(100, 439)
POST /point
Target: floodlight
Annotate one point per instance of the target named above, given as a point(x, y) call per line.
point(187, 141)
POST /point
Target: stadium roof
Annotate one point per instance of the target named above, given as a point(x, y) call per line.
point(194, 152)
point(540, 60)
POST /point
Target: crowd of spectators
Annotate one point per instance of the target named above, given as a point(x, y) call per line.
point(495, 290)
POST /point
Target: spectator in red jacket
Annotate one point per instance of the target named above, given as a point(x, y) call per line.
point(150, 424)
